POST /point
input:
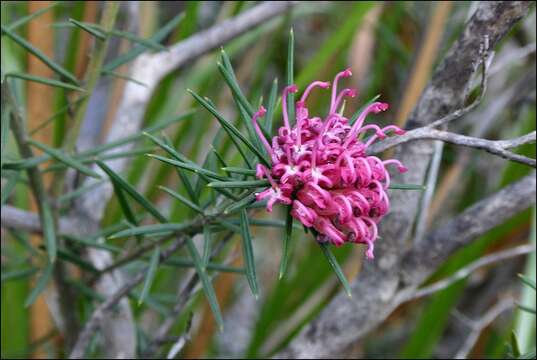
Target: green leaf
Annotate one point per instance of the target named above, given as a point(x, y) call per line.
point(355, 116)
point(124, 77)
point(49, 231)
point(25, 19)
point(68, 256)
point(6, 117)
point(526, 308)
point(78, 192)
point(526, 280)
point(40, 55)
point(181, 262)
point(271, 107)
point(182, 199)
point(150, 229)
point(157, 37)
point(18, 274)
point(124, 204)
point(40, 284)
point(45, 81)
point(230, 127)
point(151, 272)
point(93, 244)
point(241, 204)
point(135, 195)
point(290, 76)
point(239, 184)
point(337, 269)
point(514, 345)
point(67, 160)
point(407, 187)
point(184, 177)
point(9, 186)
point(286, 241)
point(92, 30)
point(206, 245)
point(188, 166)
point(248, 253)
point(238, 170)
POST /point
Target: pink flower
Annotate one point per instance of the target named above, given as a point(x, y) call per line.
point(320, 167)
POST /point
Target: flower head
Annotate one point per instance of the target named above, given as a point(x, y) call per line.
point(321, 169)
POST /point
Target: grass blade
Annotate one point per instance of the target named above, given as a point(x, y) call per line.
point(40, 285)
point(40, 55)
point(151, 272)
point(182, 199)
point(337, 269)
point(67, 160)
point(239, 184)
point(206, 283)
point(407, 187)
point(131, 191)
point(286, 241)
point(248, 254)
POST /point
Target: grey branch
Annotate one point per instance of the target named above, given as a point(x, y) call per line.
point(496, 147)
point(478, 326)
point(343, 321)
point(16, 218)
point(104, 308)
point(469, 269)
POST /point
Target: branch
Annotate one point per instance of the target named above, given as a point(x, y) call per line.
point(105, 307)
point(469, 269)
point(16, 218)
point(495, 147)
point(478, 326)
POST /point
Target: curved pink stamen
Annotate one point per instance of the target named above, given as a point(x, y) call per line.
point(321, 84)
point(260, 113)
point(376, 107)
point(345, 92)
point(289, 89)
point(343, 74)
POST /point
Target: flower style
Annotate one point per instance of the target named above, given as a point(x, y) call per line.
point(321, 169)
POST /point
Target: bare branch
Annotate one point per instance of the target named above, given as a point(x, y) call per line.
point(478, 326)
point(496, 147)
point(467, 270)
point(101, 311)
point(16, 218)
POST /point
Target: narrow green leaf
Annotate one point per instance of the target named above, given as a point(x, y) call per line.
point(337, 269)
point(40, 284)
point(514, 345)
point(248, 253)
point(241, 204)
point(78, 192)
point(68, 256)
point(18, 274)
point(354, 117)
point(152, 270)
point(92, 30)
point(132, 192)
point(270, 108)
point(93, 244)
point(228, 126)
point(137, 50)
point(182, 199)
point(9, 186)
point(181, 262)
point(238, 170)
point(290, 76)
point(5, 119)
point(151, 229)
point(183, 176)
point(239, 184)
point(86, 290)
point(189, 166)
point(526, 308)
point(206, 283)
point(526, 280)
point(406, 187)
point(61, 111)
point(124, 77)
point(25, 19)
point(286, 241)
point(45, 81)
point(206, 245)
point(40, 55)
point(67, 160)
point(136, 39)
point(49, 231)
point(124, 204)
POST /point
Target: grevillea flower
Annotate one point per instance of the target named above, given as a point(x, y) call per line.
point(320, 167)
